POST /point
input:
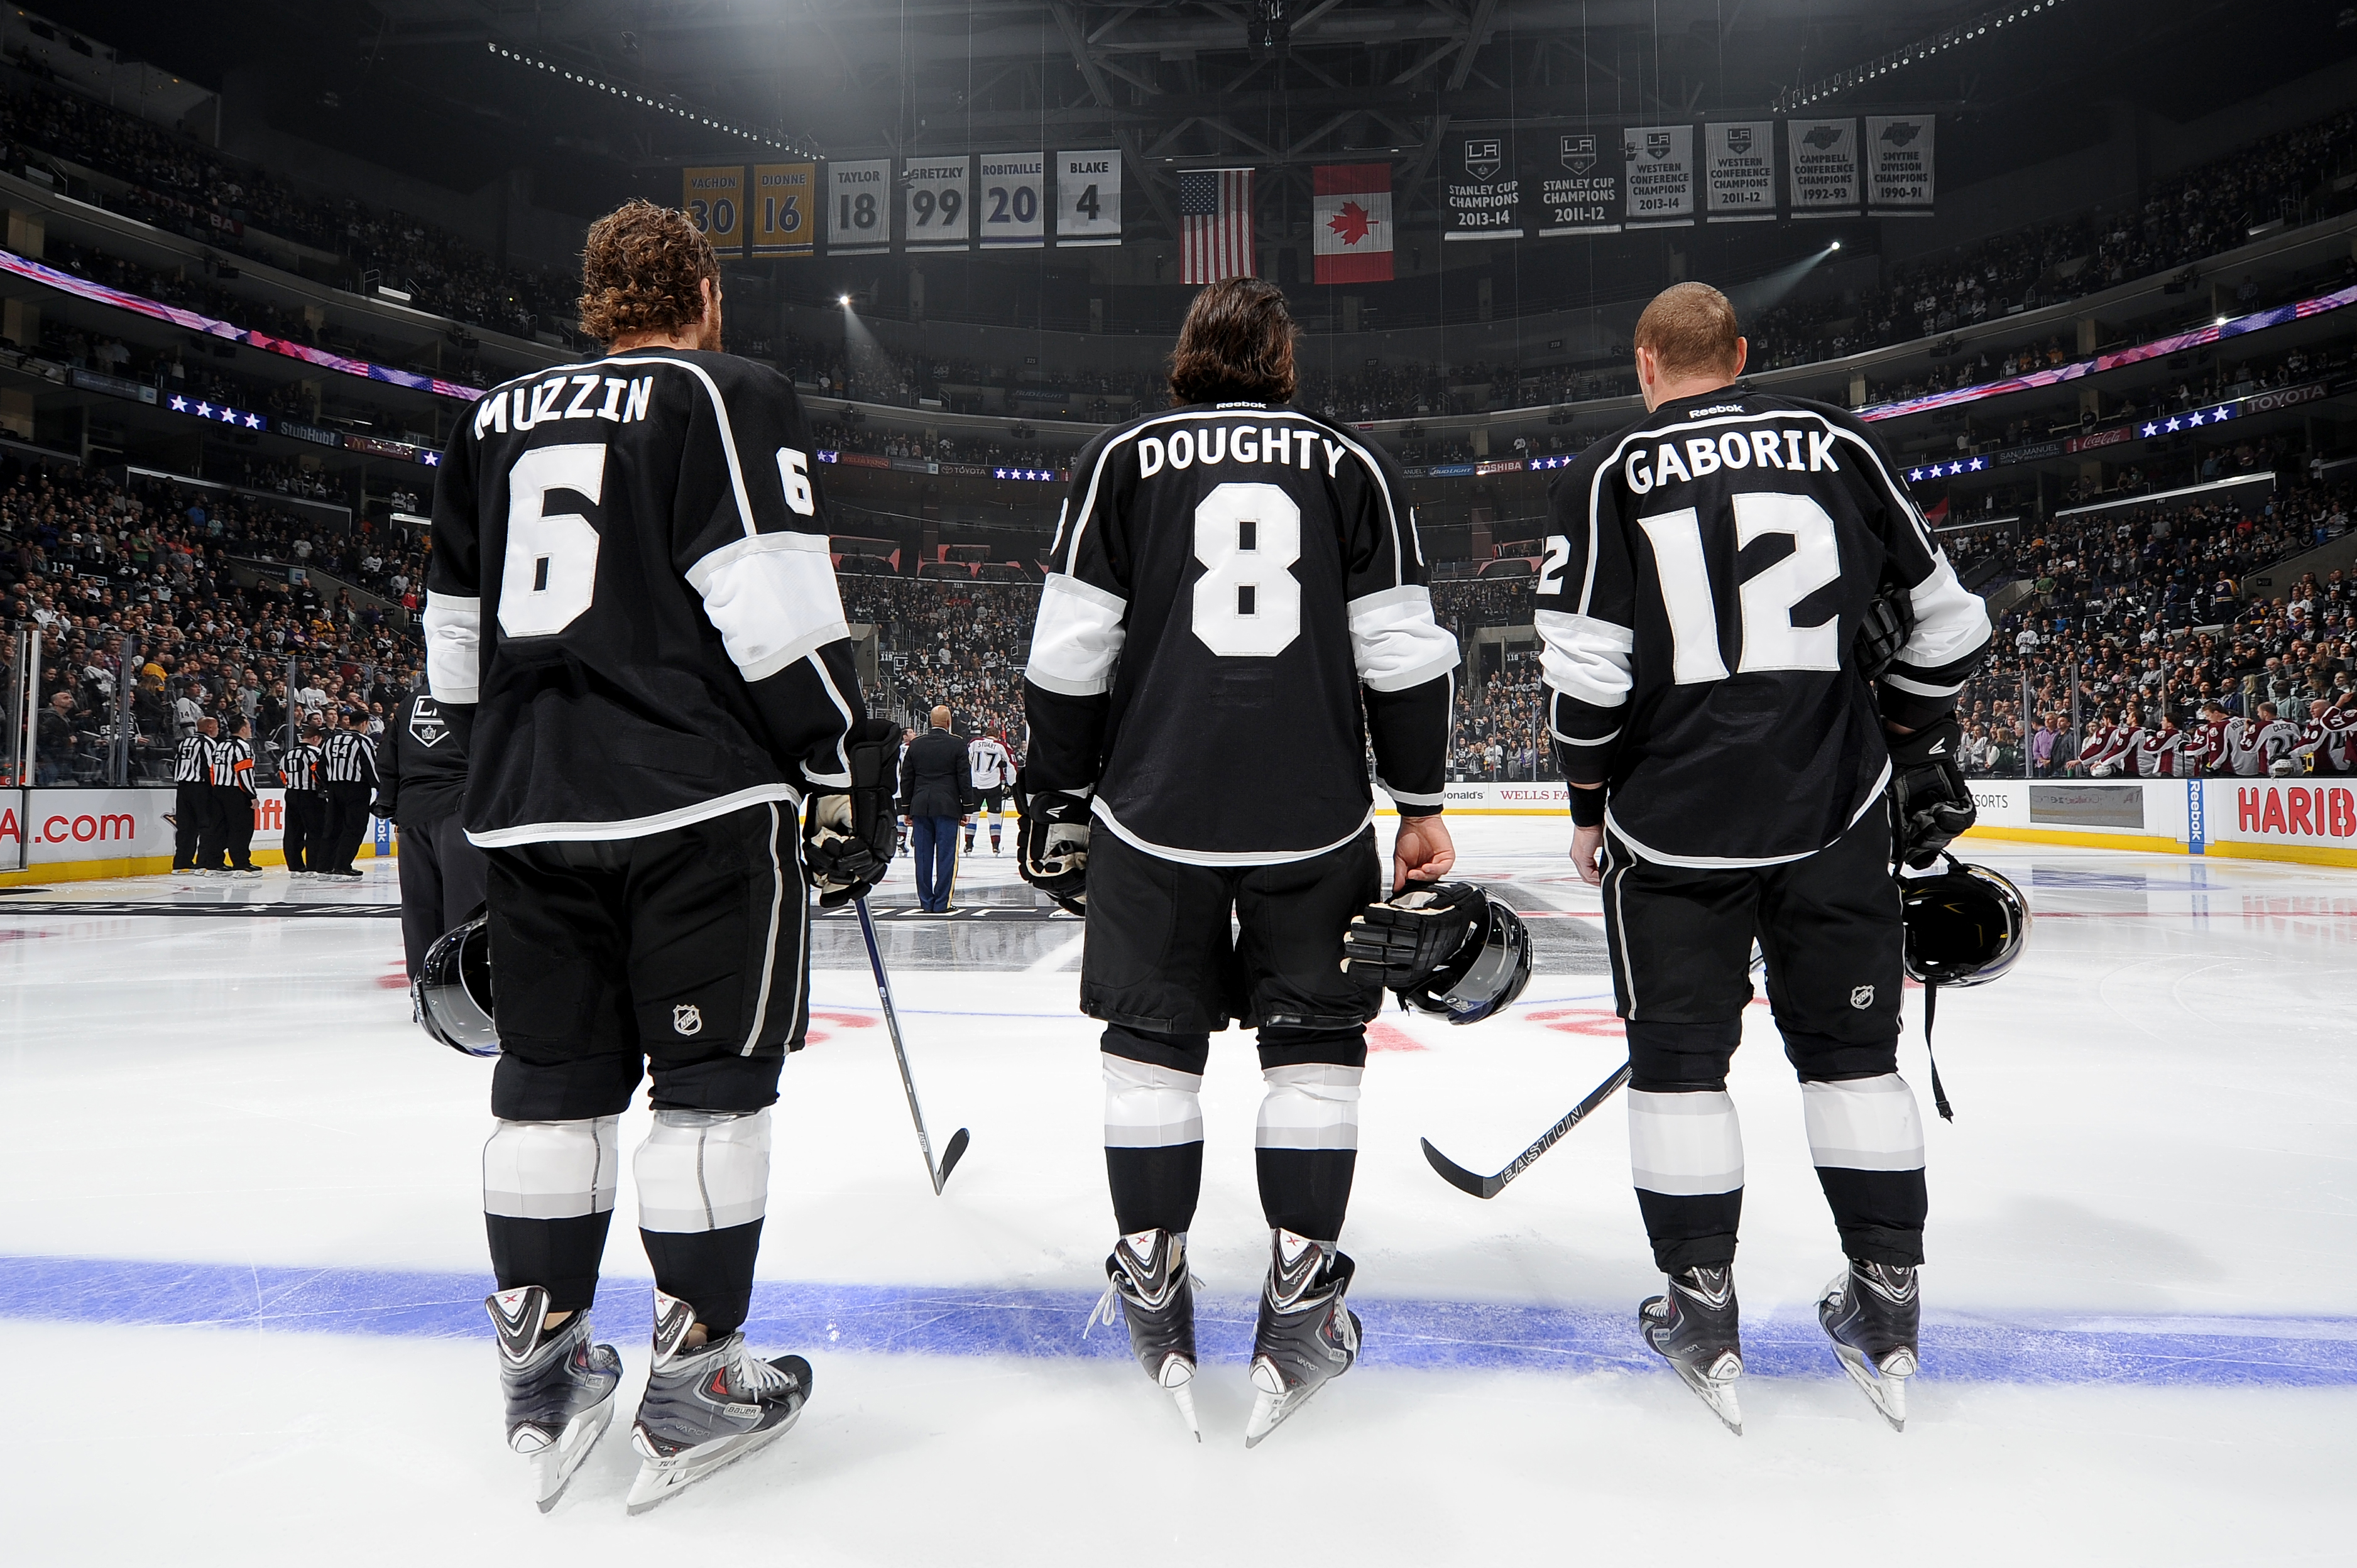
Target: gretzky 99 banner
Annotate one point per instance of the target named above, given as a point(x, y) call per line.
point(1899, 163)
point(1820, 156)
point(1660, 171)
point(1739, 164)
point(1577, 184)
point(1482, 191)
point(934, 212)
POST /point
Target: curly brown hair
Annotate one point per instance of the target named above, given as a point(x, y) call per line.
point(640, 269)
point(1236, 346)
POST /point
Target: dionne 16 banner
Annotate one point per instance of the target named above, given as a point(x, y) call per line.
point(784, 210)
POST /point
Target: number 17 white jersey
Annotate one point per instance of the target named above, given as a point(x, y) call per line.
point(1703, 584)
point(1232, 586)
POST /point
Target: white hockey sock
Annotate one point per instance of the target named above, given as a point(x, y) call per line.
point(1864, 1124)
point(1313, 1106)
point(703, 1170)
point(1150, 1107)
point(550, 1170)
point(1684, 1146)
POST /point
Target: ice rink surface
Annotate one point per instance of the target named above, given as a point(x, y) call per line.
point(241, 1254)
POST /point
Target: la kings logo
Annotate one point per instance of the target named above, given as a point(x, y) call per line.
point(428, 727)
point(1576, 154)
point(1483, 160)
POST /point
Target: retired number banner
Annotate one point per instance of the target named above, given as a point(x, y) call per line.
point(1011, 188)
point(714, 200)
point(935, 214)
point(1482, 198)
point(1661, 165)
point(784, 210)
point(1821, 161)
point(1738, 163)
point(1088, 198)
point(859, 222)
point(1899, 163)
point(1578, 184)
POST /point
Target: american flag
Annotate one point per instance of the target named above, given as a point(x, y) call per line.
point(1215, 226)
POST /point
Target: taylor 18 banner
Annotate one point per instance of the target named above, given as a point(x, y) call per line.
point(935, 214)
point(1738, 170)
point(858, 219)
point(1899, 163)
point(1577, 183)
point(1350, 222)
point(1088, 198)
point(1482, 194)
point(1010, 187)
point(1821, 160)
point(1661, 170)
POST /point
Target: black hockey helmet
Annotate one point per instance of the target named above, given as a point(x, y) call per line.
point(1965, 926)
point(1487, 973)
point(453, 989)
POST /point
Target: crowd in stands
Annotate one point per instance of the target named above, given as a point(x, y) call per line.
point(175, 179)
point(959, 644)
point(178, 601)
point(835, 437)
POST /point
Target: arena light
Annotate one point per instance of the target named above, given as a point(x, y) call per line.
point(692, 116)
point(1922, 50)
point(844, 300)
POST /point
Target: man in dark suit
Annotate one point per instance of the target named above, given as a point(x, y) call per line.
point(936, 793)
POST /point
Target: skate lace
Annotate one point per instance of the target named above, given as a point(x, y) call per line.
point(756, 1379)
point(1105, 1311)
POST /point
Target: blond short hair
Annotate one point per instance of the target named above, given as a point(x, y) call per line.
point(1692, 330)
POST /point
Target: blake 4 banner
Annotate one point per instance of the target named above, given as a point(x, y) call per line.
point(1010, 187)
point(1482, 189)
point(1660, 171)
point(1350, 222)
point(858, 219)
point(1739, 171)
point(784, 210)
point(1088, 198)
point(1821, 164)
point(715, 200)
point(934, 212)
point(1899, 163)
point(1578, 185)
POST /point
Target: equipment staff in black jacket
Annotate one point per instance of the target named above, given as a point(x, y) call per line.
point(421, 785)
point(936, 792)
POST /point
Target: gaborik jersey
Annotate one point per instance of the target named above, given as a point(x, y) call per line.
point(1698, 601)
point(1233, 587)
point(630, 583)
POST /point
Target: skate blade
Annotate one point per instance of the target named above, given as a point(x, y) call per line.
point(1184, 1397)
point(1272, 1410)
point(659, 1480)
point(555, 1466)
point(1886, 1390)
point(1717, 1392)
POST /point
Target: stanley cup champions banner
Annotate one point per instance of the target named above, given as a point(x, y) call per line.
point(1661, 167)
point(1821, 158)
point(1088, 198)
point(1899, 163)
point(1739, 164)
point(1578, 184)
point(935, 214)
point(1482, 194)
point(858, 221)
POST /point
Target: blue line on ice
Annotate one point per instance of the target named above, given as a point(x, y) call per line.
point(981, 1321)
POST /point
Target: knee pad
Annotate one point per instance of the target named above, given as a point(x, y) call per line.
point(1864, 1124)
point(1151, 1107)
point(703, 1170)
point(1314, 1106)
point(550, 1170)
point(1668, 1057)
point(1684, 1146)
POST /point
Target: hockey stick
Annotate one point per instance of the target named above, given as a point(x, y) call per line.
point(956, 1150)
point(1465, 1181)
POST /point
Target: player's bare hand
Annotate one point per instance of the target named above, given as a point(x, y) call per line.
point(1423, 852)
point(1588, 855)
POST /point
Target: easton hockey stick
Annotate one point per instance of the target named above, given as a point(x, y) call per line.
point(1465, 1181)
point(956, 1150)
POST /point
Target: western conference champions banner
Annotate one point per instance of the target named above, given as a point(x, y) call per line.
point(714, 200)
point(1899, 163)
point(1660, 172)
point(1575, 181)
point(1739, 171)
point(1481, 189)
point(1821, 168)
point(935, 211)
point(1008, 188)
point(1088, 198)
point(859, 211)
point(783, 207)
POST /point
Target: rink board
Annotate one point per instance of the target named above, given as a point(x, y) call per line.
point(79, 835)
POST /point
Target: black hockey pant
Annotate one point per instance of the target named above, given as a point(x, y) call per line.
point(192, 812)
point(307, 820)
point(347, 821)
point(441, 883)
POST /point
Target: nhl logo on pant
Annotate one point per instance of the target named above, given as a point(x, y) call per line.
point(687, 1018)
point(1860, 997)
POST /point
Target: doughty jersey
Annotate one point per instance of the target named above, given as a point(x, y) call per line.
point(1234, 584)
point(631, 586)
point(993, 769)
point(1697, 603)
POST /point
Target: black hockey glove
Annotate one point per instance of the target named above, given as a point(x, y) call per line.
point(848, 835)
point(1408, 940)
point(1930, 801)
point(1052, 850)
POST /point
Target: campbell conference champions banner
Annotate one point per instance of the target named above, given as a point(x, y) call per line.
point(1821, 164)
point(1899, 163)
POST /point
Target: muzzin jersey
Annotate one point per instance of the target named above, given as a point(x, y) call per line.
point(1234, 586)
point(1699, 602)
point(630, 584)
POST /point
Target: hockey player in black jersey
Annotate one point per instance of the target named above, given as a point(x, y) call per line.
point(631, 613)
point(1735, 777)
point(1238, 580)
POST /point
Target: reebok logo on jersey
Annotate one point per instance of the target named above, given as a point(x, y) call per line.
point(1714, 408)
point(687, 1018)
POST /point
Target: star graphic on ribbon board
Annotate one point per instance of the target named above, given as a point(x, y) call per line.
point(1351, 224)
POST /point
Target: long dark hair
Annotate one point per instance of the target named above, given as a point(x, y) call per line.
point(1235, 347)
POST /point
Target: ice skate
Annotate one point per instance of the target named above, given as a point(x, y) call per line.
point(708, 1407)
point(1147, 1273)
point(559, 1387)
point(1306, 1336)
point(1694, 1326)
point(1872, 1311)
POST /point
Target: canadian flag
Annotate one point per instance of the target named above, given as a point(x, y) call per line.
point(1352, 203)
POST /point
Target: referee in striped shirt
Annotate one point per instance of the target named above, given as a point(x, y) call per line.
point(349, 767)
point(306, 808)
